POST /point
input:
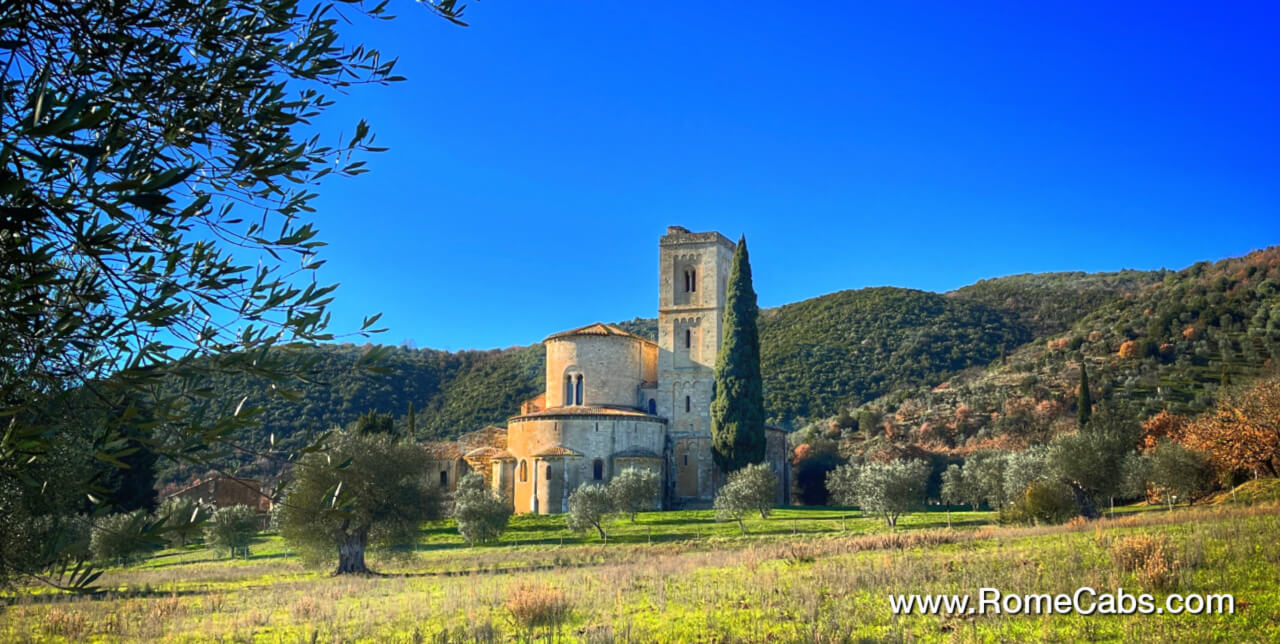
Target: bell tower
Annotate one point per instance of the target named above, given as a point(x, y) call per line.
point(693, 273)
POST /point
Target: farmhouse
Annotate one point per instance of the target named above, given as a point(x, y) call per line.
point(615, 400)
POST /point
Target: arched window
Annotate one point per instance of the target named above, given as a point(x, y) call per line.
point(597, 470)
point(579, 391)
point(524, 471)
point(568, 390)
point(653, 407)
point(688, 338)
point(444, 478)
point(693, 280)
point(687, 282)
point(548, 471)
point(688, 404)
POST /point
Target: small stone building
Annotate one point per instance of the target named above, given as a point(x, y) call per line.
point(615, 400)
point(225, 491)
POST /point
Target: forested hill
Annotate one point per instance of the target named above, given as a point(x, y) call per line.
point(1170, 344)
point(819, 356)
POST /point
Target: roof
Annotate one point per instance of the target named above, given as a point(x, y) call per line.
point(207, 478)
point(588, 412)
point(636, 453)
point(558, 450)
point(601, 329)
point(491, 453)
point(442, 451)
point(487, 437)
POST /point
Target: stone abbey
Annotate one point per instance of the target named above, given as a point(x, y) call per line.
point(615, 400)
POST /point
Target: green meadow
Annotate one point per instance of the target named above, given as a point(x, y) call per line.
point(802, 575)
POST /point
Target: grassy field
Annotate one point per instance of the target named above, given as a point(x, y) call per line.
point(801, 575)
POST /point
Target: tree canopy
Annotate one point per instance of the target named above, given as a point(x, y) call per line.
point(365, 490)
point(157, 166)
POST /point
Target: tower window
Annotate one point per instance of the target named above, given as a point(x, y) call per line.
point(688, 404)
point(597, 470)
point(688, 338)
point(578, 396)
point(653, 407)
point(548, 471)
point(444, 478)
point(568, 390)
point(686, 460)
point(690, 280)
point(524, 471)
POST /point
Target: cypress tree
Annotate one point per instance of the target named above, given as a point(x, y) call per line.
point(1086, 400)
point(737, 413)
point(412, 422)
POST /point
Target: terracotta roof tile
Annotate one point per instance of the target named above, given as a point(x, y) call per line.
point(599, 328)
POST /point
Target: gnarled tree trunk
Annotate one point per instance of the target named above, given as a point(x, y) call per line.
point(351, 545)
point(1087, 509)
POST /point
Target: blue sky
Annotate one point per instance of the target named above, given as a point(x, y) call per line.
point(537, 155)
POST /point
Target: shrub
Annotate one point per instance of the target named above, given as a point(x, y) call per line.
point(122, 538)
point(634, 490)
point(482, 516)
point(1047, 502)
point(1150, 557)
point(752, 488)
point(588, 506)
point(534, 606)
point(232, 529)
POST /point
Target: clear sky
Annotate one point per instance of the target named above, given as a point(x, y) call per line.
point(537, 155)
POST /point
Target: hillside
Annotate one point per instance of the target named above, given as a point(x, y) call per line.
point(1049, 303)
point(845, 347)
point(997, 360)
point(1170, 344)
point(817, 355)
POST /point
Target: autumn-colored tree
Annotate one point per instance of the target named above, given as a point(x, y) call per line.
point(1128, 349)
point(1162, 425)
point(1243, 431)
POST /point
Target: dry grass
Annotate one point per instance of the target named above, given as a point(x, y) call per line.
point(1151, 556)
point(535, 606)
point(814, 588)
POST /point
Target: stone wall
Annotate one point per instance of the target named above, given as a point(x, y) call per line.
point(587, 438)
point(613, 368)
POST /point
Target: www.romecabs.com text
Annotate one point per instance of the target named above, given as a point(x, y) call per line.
point(1084, 601)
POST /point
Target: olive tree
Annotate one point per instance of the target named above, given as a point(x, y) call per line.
point(159, 165)
point(952, 489)
point(123, 538)
point(887, 489)
point(232, 529)
point(633, 490)
point(482, 516)
point(588, 507)
point(985, 477)
point(1090, 462)
point(1180, 473)
point(1021, 470)
point(753, 488)
point(183, 519)
point(365, 490)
